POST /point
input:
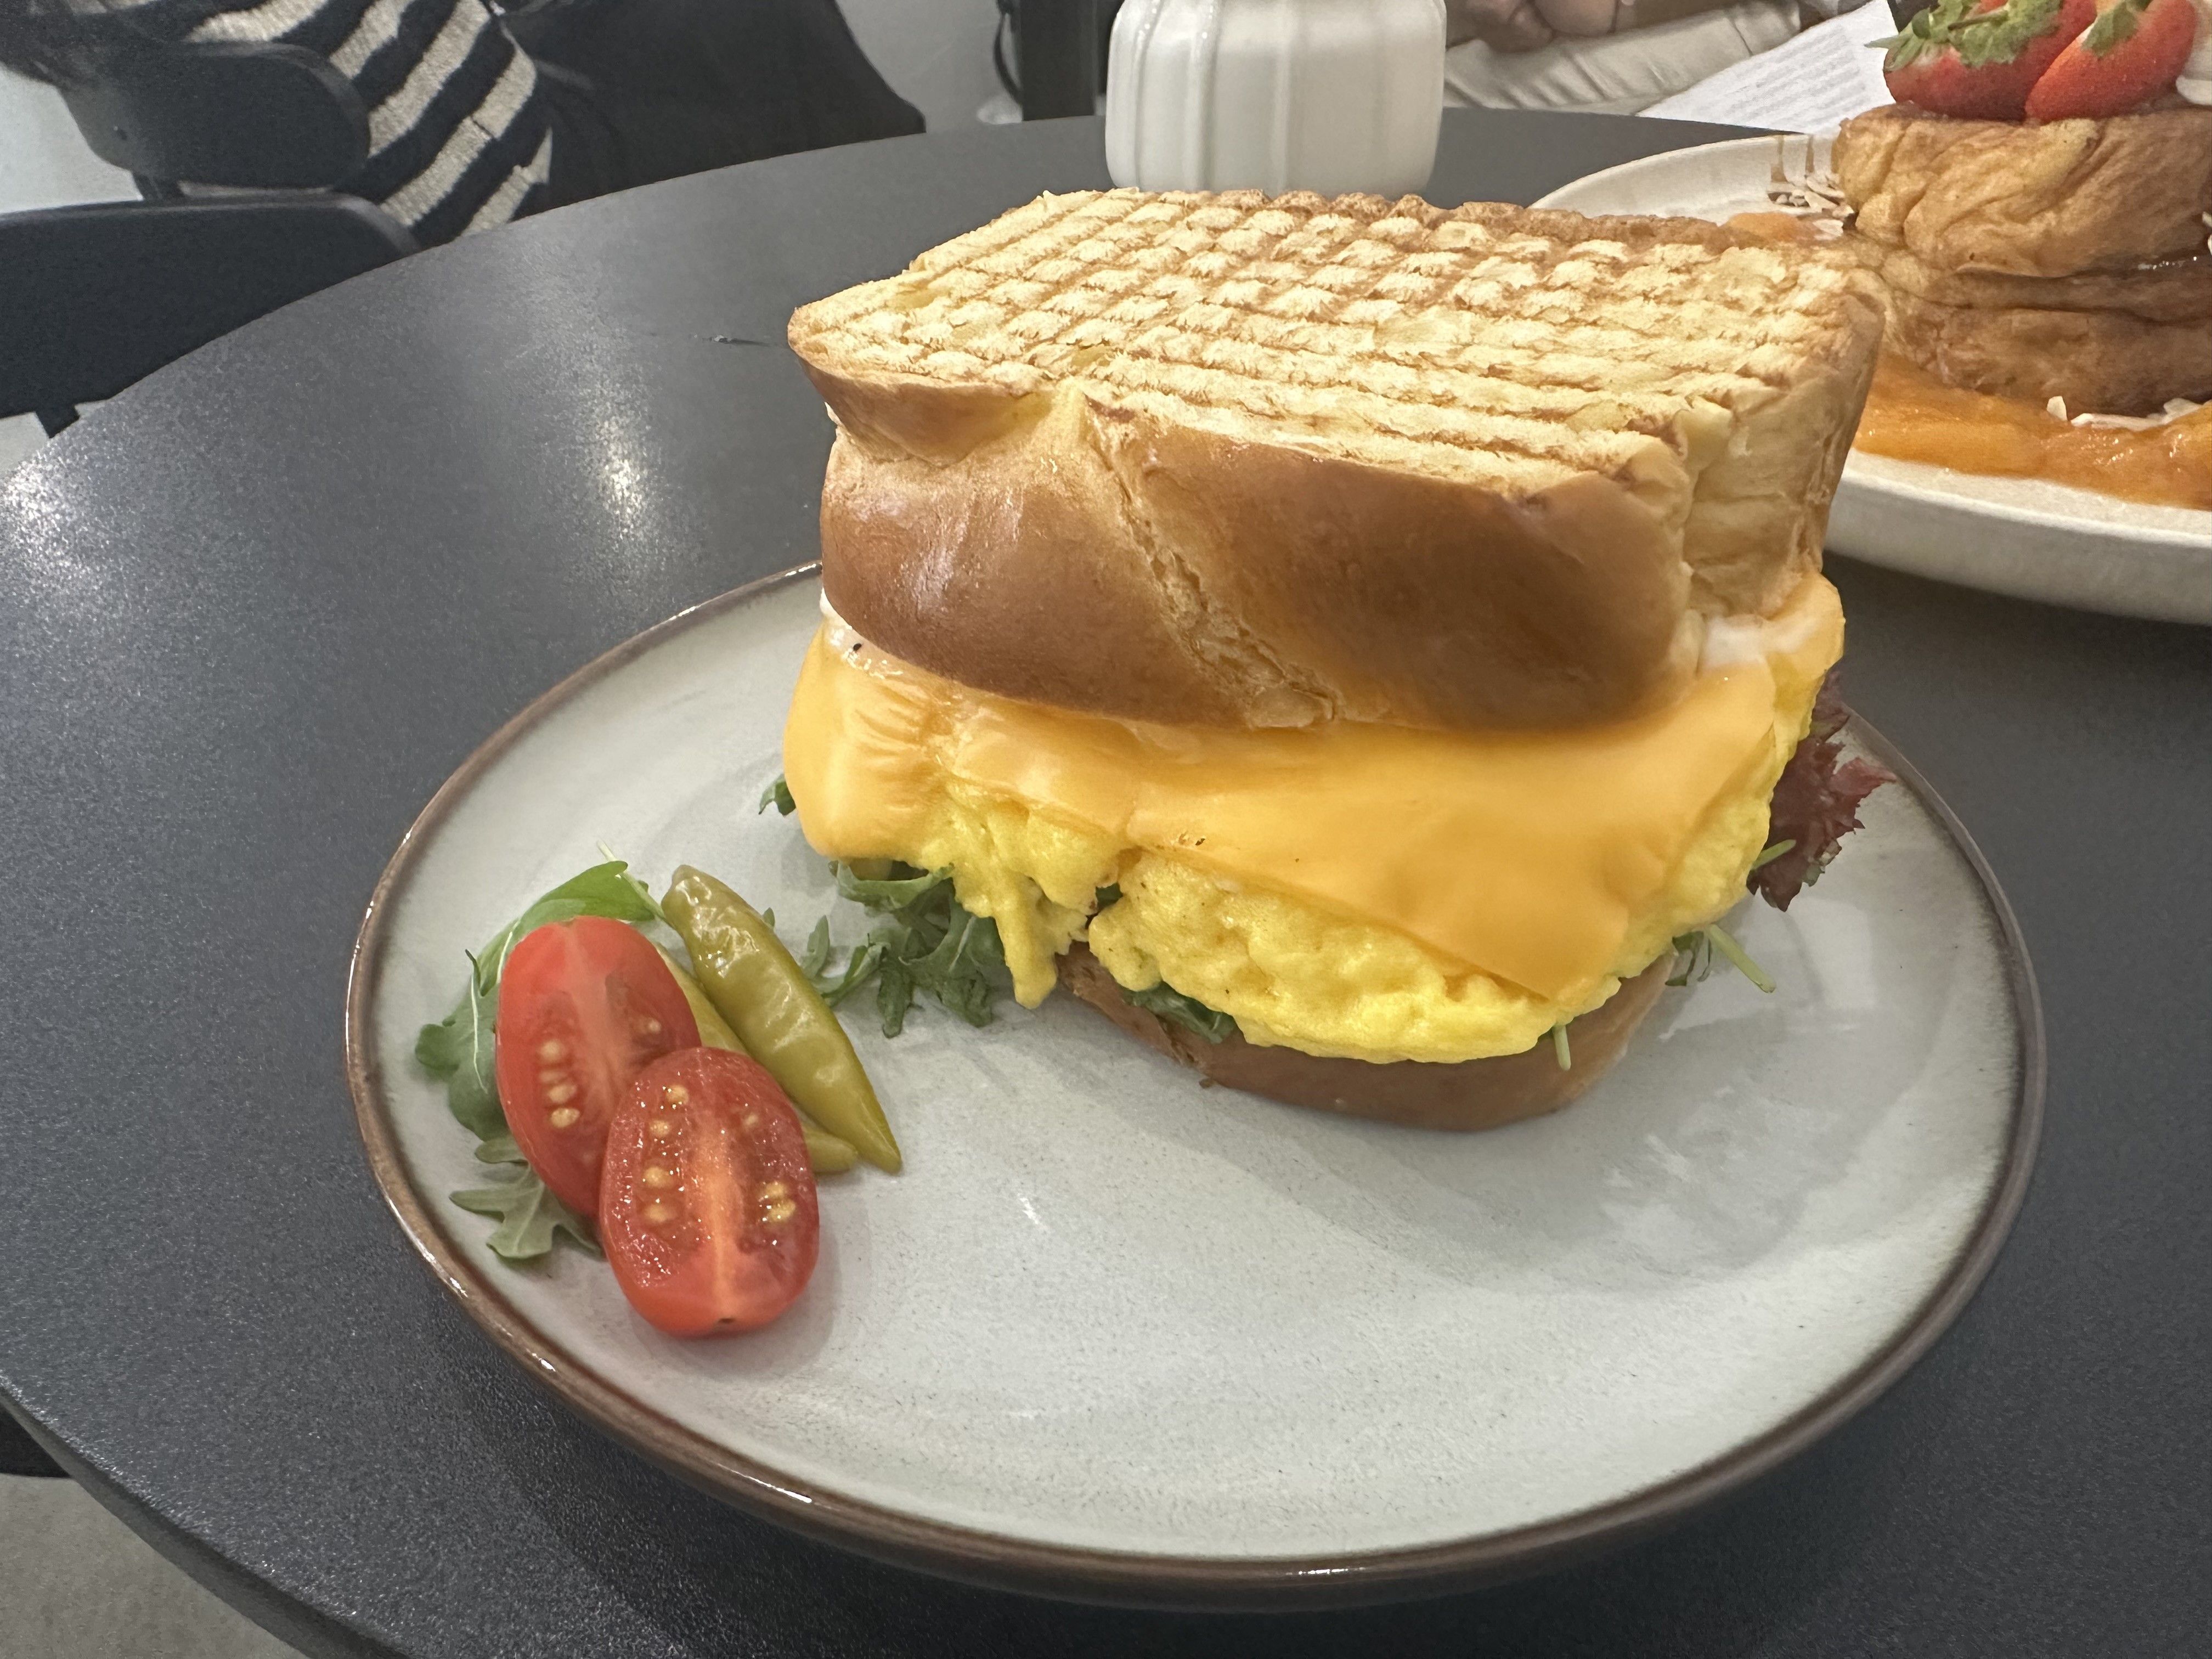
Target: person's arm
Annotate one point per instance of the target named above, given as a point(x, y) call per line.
point(1501, 24)
point(1524, 25)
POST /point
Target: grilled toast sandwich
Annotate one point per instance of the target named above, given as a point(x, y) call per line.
point(1291, 460)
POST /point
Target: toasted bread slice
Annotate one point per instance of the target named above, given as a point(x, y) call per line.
point(1468, 1094)
point(1229, 459)
point(2115, 342)
point(2052, 198)
point(2110, 361)
point(2175, 291)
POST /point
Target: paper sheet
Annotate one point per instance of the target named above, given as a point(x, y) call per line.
point(1810, 83)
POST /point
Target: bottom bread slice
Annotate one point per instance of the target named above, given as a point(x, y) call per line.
point(2107, 363)
point(1473, 1094)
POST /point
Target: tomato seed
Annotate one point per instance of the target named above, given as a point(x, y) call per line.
point(562, 1118)
point(551, 1050)
point(674, 1095)
point(661, 1129)
point(655, 1176)
point(561, 1093)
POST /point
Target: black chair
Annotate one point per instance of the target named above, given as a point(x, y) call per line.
point(259, 117)
point(94, 298)
point(1058, 54)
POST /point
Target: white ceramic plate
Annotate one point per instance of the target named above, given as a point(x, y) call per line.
point(2035, 540)
point(1113, 1336)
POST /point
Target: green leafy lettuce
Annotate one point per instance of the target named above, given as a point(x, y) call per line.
point(1162, 1001)
point(835, 984)
point(530, 1217)
point(926, 945)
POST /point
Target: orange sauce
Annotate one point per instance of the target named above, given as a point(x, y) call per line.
point(1774, 226)
point(1912, 416)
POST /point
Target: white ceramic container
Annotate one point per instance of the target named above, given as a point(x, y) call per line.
point(1329, 95)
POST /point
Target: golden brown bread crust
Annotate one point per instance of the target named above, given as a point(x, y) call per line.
point(2178, 291)
point(1259, 463)
point(2107, 341)
point(1475, 1094)
point(2029, 199)
point(2109, 363)
point(1037, 572)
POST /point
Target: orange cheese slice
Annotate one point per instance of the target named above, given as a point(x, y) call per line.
point(1523, 855)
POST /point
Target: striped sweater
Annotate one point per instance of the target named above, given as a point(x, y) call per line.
point(458, 139)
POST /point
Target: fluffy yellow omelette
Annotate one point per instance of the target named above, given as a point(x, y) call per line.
point(1374, 891)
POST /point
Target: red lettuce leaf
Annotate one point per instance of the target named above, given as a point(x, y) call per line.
point(1816, 802)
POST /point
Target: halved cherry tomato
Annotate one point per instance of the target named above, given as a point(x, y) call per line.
point(2134, 53)
point(584, 1006)
point(707, 1206)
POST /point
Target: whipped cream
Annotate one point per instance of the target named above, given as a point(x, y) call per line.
point(2195, 82)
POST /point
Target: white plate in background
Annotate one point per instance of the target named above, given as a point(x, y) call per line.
point(2017, 536)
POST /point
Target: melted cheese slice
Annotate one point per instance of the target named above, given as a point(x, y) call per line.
point(1526, 856)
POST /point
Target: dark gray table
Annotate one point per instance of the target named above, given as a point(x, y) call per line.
point(253, 611)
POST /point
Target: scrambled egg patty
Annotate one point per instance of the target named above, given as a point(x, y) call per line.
point(885, 761)
point(1287, 972)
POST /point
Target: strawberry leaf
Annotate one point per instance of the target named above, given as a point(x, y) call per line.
point(2114, 24)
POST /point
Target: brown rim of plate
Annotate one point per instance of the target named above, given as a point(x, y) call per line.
point(1093, 1575)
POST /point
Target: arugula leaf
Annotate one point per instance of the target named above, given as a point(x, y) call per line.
point(834, 986)
point(1164, 1001)
point(1693, 958)
point(1724, 942)
point(460, 1050)
point(860, 967)
point(530, 1217)
point(894, 893)
point(928, 944)
point(778, 795)
point(894, 994)
point(459, 1047)
point(1695, 953)
point(1772, 851)
point(817, 950)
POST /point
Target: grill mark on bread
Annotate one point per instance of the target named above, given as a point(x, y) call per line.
point(997, 289)
point(1458, 467)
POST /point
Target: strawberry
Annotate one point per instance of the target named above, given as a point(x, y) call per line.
point(1979, 59)
point(2131, 54)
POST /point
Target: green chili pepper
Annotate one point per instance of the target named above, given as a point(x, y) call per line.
point(776, 1013)
point(829, 1154)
